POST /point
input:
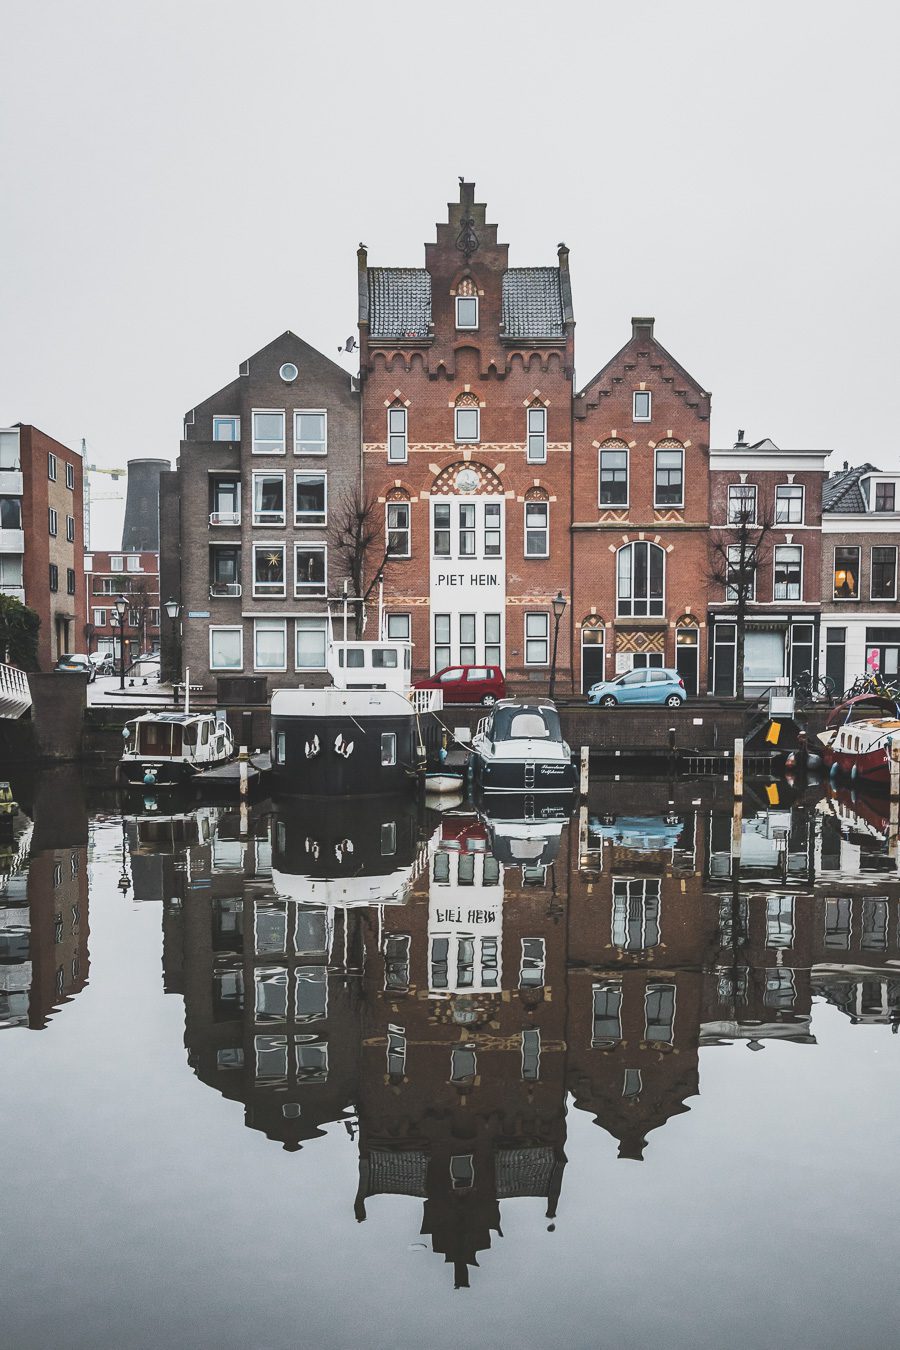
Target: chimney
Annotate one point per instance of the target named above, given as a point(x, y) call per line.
point(642, 328)
point(362, 284)
point(740, 439)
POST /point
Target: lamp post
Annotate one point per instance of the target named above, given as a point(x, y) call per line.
point(559, 605)
point(173, 609)
point(121, 609)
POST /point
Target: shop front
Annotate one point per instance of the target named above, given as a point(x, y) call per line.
point(776, 647)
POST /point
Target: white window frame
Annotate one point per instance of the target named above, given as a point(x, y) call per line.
point(235, 423)
point(794, 487)
point(546, 509)
point(271, 517)
point(70, 529)
point(99, 617)
point(667, 450)
point(406, 626)
point(265, 447)
point(467, 440)
point(321, 623)
point(302, 589)
point(260, 546)
point(116, 563)
point(887, 598)
point(635, 415)
point(402, 436)
point(52, 521)
point(300, 521)
point(786, 600)
point(743, 488)
point(532, 637)
point(70, 477)
point(311, 412)
point(468, 299)
point(618, 450)
point(407, 529)
point(51, 466)
point(880, 481)
point(622, 614)
point(731, 590)
point(541, 457)
point(848, 599)
point(272, 625)
point(226, 628)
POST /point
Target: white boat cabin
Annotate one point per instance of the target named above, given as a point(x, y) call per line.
point(194, 738)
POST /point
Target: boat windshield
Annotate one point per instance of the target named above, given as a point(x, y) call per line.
point(526, 722)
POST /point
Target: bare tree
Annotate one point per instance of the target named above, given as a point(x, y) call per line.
point(735, 555)
point(139, 597)
point(358, 541)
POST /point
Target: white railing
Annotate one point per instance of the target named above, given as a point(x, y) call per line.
point(224, 517)
point(15, 695)
point(426, 700)
point(230, 589)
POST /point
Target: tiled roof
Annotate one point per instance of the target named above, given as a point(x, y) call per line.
point(841, 492)
point(399, 302)
point(532, 303)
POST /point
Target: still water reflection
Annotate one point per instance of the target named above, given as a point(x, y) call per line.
point(457, 1027)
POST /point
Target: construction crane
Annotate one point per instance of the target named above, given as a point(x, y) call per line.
point(90, 497)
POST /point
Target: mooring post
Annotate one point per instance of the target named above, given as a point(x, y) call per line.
point(894, 826)
point(244, 769)
point(584, 775)
point(739, 768)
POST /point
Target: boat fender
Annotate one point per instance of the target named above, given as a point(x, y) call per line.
point(149, 778)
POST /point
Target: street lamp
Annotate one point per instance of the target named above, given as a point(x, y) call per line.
point(173, 609)
point(121, 609)
point(559, 604)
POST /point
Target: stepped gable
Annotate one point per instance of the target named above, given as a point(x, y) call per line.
point(643, 349)
point(841, 492)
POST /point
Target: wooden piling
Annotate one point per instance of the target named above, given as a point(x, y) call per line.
point(584, 776)
point(739, 768)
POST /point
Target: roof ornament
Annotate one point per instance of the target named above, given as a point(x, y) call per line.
point(467, 240)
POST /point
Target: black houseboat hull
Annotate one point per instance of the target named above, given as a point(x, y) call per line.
point(527, 777)
point(151, 773)
point(343, 756)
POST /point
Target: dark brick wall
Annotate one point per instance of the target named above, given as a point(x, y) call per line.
point(58, 705)
point(39, 494)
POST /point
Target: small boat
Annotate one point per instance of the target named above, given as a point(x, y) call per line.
point(860, 738)
point(165, 748)
point(519, 748)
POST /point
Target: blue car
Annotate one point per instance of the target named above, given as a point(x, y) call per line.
point(661, 687)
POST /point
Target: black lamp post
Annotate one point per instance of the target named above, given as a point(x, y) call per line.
point(173, 609)
point(559, 605)
point(121, 610)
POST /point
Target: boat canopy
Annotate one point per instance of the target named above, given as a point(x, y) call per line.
point(525, 721)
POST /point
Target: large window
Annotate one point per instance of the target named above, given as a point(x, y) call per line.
point(268, 499)
point(635, 919)
point(537, 639)
point(226, 649)
point(268, 569)
point(268, 432)
point(224, 569)
point(398, 628)
point(669, 478)
point(270, 644)
point(788, 571)
point(846, 574)
point(398, 447)
point(310, 643)
point(397, 529)
point(640, 580)
point(9, 450)
point(441, 641)
point(310, 569)
point(10, 513)
point(742, 504)
point(741, 575)
point(537, 529)
point(607, 1022)
point(224, 501)
point(537, 435)
point(788, 505)
point(226, 428)
point(310, 499)
point(614, 476)
point(659, 1013)
point(884, 573)
point(310, 433)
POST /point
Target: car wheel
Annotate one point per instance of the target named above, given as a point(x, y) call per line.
point(607, 701)
point(489, 700)
point(674, 701)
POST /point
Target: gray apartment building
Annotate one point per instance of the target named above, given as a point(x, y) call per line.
point(249, 519)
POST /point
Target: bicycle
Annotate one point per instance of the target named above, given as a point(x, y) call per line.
point(807, 690)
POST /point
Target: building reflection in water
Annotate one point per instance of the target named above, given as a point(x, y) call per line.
point(44, 904)
point(439, 984)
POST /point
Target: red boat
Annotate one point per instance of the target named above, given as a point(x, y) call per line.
point(860, 738)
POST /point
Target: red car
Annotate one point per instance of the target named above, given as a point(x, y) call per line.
point(467, 684)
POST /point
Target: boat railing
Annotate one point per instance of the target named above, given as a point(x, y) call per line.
point(14, 686)
point(426, 700)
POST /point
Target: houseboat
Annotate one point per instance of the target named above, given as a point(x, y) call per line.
point(367, 733)
point(166, 748)
point(519, 748)
point(860, 739)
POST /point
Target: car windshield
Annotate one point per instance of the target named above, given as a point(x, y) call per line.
point(527, 721)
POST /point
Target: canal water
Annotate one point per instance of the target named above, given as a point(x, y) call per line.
point(391, 1076)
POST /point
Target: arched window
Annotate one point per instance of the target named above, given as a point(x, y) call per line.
point(640, 580)
point(613, 470)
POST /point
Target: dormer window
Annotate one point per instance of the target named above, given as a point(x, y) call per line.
point(467, 311)
point(885, 496)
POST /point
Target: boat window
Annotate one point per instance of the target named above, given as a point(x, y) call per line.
point(388, 748)
point(190, 733)
point(204, 733)
point(356, 658)
point(384, 658)
point(156, 738)
point(526, 722)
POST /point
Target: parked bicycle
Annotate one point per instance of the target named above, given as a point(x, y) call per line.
point(808, 690)
point(873, 684)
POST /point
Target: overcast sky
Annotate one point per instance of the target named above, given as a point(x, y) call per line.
point(186, 179)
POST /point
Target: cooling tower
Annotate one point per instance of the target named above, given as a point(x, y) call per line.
point(141, 528)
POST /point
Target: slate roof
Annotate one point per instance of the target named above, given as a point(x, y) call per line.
point(841, 492)
point(532, 303)
point(399, 302)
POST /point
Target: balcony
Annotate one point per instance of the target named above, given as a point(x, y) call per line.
point(225, 590)
point(17, 592)
point(11, 483)
point(224, 517)
point(12, 541)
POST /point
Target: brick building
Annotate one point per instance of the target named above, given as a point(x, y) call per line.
point(775, 497)
point(107, 575)
point(467, 388)
point(42, 536)
point(640, 514)
point(249, 518)
point(860, 538)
